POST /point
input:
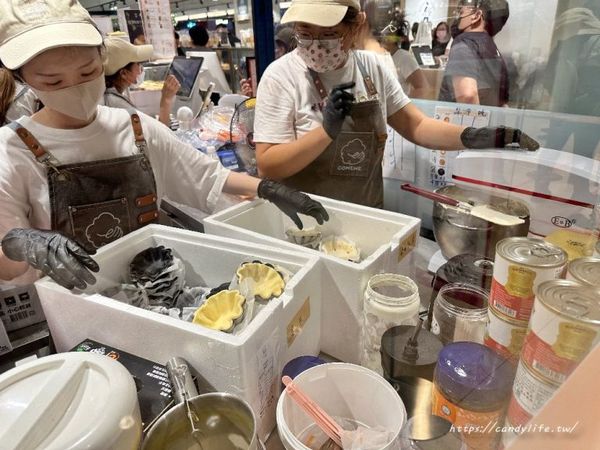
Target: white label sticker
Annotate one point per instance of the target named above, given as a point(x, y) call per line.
point(5, 346)
point(267, 375)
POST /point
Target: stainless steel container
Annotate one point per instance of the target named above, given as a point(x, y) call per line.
point(222, 421)
point(458, 232)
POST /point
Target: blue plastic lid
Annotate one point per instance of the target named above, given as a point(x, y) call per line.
point(298, 365)
point(471, 374)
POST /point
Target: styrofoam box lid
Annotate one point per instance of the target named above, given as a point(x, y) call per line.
point(66, 401)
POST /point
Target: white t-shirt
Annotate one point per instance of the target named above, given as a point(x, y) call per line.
point(182, 173)
point(287, 99)
point(406, 65)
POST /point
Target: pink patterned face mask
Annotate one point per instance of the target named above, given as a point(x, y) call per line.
point(323, 58)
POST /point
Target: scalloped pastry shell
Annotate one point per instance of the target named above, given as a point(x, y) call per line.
point(340, 247)
point(308, 237)
point(220, 311)
point(268, 282)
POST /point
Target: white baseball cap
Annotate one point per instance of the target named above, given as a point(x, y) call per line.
point(323, 13)
point(30, 27)
point(120, 52)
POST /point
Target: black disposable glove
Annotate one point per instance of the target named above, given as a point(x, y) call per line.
point(57, 256)
point(337, 107)
point(292, 202)
point(497, 137)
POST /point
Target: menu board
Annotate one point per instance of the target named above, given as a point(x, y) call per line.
point(135, 27)
point(441, 161)
point(156, 15)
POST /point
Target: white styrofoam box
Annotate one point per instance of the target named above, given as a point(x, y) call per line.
point(385, 238)
point(248, 364)
point(560, 188)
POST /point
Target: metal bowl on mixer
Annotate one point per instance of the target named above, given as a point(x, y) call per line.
point(458, 232)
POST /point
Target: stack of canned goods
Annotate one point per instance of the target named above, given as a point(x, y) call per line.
point(564, 327)
point(585, 271)
point(521, 265)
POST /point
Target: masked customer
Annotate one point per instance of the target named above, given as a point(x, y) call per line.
point(322, 111)
point(122, 70)
point(75, 175)
point(476, 72)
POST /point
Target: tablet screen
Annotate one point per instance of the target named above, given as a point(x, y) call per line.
point(186, 71)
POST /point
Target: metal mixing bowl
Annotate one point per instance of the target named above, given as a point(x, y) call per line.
point(457, 232)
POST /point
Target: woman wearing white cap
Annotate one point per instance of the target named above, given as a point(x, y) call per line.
point(122, 69)
point(76, 175)
point(322, 110)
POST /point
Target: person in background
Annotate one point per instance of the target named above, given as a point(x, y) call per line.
point(16, 99)
point(406, 67)
point(199, 36)
point(123, 69)
point(180, 51)
point(322, 111)
point(285, 42)
point(413, 31)
point(226, 36)
point(75, 175)
point(571, 78)
point(441, 39)
point(476, 72)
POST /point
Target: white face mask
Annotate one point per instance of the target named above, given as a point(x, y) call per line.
point(322, 59)
point(79, 101)
point(140, 79)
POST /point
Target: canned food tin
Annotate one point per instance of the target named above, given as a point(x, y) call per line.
point(585, 271)
point(504, 336)
point(564, 327)
point(521, 265)
point(530, 394)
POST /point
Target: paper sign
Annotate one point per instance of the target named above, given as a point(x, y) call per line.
point(399, 157)
point(156, 15)
point(441, 162)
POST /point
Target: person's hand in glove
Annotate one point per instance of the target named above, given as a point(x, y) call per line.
point(337, 107)
point(57, 256)
point(292, 202)
point(497, 137)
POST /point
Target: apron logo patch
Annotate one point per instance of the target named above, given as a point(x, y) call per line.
point(104, 228)
point(353, 153)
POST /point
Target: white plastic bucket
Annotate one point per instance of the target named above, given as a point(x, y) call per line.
point(343, 391)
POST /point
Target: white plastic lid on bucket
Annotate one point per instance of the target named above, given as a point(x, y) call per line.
point(344, 391)
point(69, 401)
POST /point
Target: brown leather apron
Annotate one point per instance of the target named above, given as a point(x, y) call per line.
point(349, 169)
point(97, 202)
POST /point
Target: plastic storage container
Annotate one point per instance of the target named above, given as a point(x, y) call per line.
point(386, 240)
point(390, 300)
point(69, 401)
point(471, 389)
point(460, 313)
point(248, 364)
point(344, 391)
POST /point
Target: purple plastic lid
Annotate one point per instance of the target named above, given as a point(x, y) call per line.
point(473, 374)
